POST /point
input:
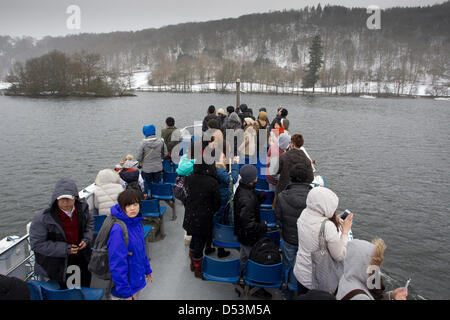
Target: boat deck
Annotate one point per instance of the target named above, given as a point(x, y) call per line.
point(172, 277)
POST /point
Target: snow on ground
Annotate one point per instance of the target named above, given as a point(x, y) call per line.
point(4, 85)
point(140, 82)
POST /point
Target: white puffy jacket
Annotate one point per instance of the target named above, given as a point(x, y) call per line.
point(107, 190)
point(321, 204)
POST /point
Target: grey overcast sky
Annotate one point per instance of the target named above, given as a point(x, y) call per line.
point(38, 18)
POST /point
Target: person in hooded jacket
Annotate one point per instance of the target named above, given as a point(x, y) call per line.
point(321, 205)
point(150, 154)
point(289, 205)
point(362, 259)
point(245, 112)
point(232, 127)
point(203, 200)
point(107, 189)
point(131, 177)
point(129, 266)
point(61, 235)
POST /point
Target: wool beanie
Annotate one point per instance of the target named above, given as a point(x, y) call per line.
point(149, 130)
point(248, 173)
point(283, 141)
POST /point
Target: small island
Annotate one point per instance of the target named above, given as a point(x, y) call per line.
point(57, 74)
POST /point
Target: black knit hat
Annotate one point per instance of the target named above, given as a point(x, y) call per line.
point(248, 173)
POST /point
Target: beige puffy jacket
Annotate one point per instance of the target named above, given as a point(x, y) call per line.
point(107, 190)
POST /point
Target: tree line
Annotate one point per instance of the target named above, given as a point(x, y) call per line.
point(59, 74)
point(272, 49)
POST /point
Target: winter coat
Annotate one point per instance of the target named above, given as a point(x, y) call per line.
point(128, 266)
point(232, 122)
point(203, 199)
point(153, 161)
point(171, 137)
point(207, 118)
point(47, 237)
point(273, 157)
point(106, 191)
point(226, 182)
point(131, 175)
point(290, 204)
point(287, 161)
point(248, 226)
point(244, 112)
point(248, 146)
point(321, 205)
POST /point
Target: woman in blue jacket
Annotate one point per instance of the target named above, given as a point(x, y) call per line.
point(129, 267)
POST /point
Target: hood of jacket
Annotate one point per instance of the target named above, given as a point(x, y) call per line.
point(64, 186)
point(117, 212)
point(234, 121)
point(186, 166)
point(152, 141)
point(129, 176)
point(322, 201)
point(106, 176)
point(357, 259)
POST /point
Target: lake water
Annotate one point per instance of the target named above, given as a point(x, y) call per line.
point(386, 159)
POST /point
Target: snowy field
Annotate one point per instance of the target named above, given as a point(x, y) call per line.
point(140, 82)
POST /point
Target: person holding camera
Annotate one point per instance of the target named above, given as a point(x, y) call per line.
point(321, 205)
point(61, 235)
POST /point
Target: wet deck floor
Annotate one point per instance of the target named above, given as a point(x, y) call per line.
point(172, 277)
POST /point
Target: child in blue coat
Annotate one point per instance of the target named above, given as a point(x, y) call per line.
point(129, 267)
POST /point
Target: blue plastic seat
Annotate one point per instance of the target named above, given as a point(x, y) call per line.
point(35, 288)
point(151, 208)
point(72, 294)
point(221, 270)
point(264, 276)
point(170, 177)
point(161, 191)
point(262, 185)
point(267, 204)
point(268, 216)
point(168, 166)
point(274, 236)
point(223, 236)
point(98, 222)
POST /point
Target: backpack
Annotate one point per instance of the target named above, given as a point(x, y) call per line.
point(134, 185)
point(179, 189)
point(99, 263)
point(265, 251)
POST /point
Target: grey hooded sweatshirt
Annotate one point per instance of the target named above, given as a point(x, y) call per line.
point(47, 237)
point(356, 262)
